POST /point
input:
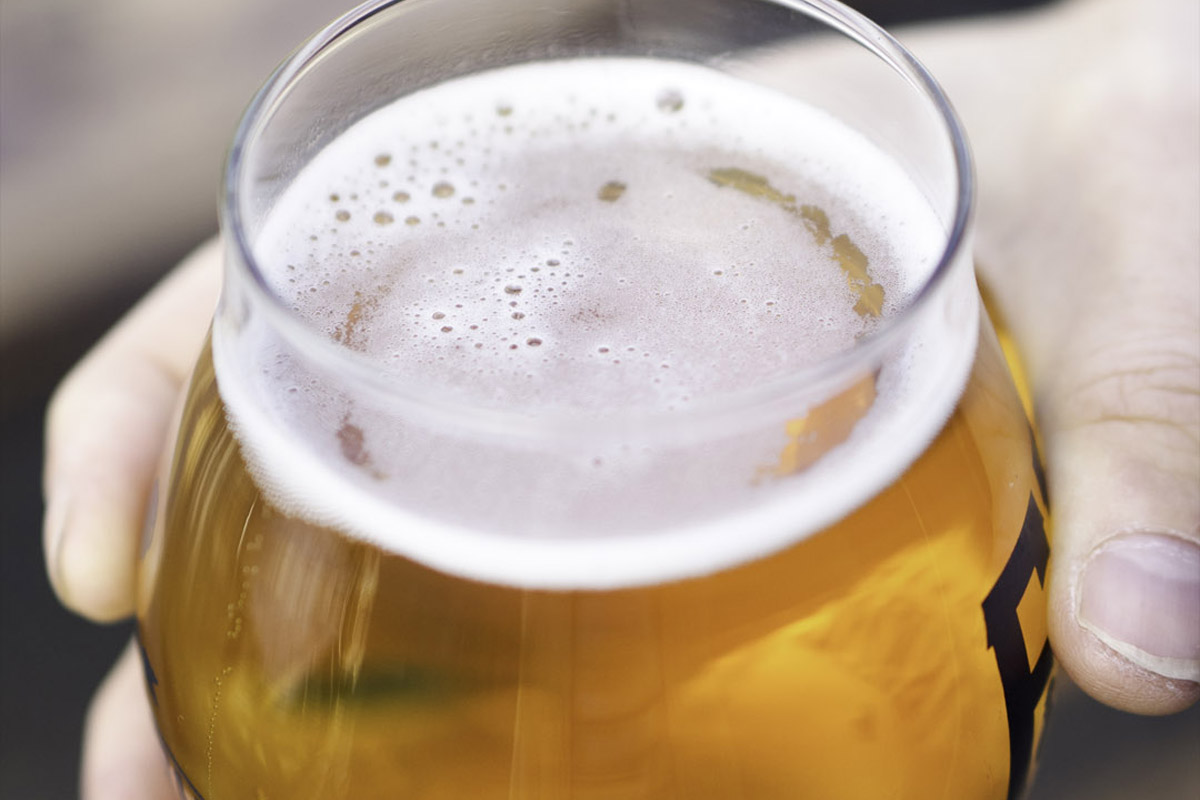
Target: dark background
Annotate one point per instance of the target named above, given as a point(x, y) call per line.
point(51, 661)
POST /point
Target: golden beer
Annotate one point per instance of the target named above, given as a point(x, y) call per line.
point(858, 663)
point(514, 494)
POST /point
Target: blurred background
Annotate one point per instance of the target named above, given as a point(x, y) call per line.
point(114, 119)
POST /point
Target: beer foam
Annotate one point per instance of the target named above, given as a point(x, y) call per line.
point(585, 240)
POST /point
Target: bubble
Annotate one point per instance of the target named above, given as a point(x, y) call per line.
point(518, 315)
point(412, 221)
point(443, 189)
point(512, 288)
point(504, 110)
point(438, 315)
point(533, 341)
point(446, 329)
point(401, 197)
point(342, 215)
point(383, 218)
point(335, 197)
point(669, 101)
point(382, 160)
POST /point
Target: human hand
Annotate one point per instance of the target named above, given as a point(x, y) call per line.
point(1084, 120)
point(1093, 265)
point(105, 431)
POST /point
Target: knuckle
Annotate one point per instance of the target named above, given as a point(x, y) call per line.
point(1151, 381)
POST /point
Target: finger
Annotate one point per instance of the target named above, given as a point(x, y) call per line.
point(1090, 234)
point(122, 756)
point(105, 427)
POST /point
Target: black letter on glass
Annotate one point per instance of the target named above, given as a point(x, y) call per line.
point(1023, 687)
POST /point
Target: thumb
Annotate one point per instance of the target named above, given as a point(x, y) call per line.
point(1125, 577)
point(1116, 373)
point(1088, 223)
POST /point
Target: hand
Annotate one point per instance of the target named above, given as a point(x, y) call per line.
point(1084, 120)
point(1089, 202)
point(105, 430)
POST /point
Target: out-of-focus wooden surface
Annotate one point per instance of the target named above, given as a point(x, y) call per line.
point(114, 119)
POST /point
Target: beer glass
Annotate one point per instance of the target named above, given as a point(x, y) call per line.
point(599, 405)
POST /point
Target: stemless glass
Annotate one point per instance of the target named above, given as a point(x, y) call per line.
point(819, 577)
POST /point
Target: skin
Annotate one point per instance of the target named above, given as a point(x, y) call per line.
point(1084, 120)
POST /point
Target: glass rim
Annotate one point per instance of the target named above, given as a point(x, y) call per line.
point(837, 369)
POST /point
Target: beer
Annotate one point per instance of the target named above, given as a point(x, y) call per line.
point(539, 508)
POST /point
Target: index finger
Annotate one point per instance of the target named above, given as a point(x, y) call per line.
point(104, 433)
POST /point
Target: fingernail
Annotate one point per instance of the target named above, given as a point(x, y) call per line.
point(1140, 595)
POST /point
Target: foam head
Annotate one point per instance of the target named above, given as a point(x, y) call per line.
point(569, 265)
